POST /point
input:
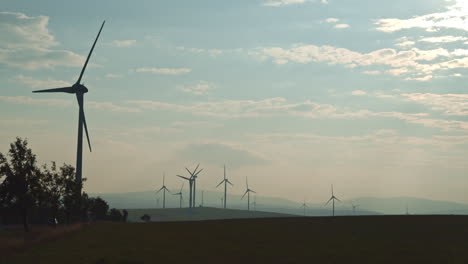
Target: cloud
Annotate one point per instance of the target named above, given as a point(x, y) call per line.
point(211, 52)
point(443, 39)
point(358, 92)
point(449, 104)
point(35, 101)
point(283, 2)
point(217, 153)
point(123, 43)
point(454, 17)
point(49, 83)
point(414, 64)
point(113, 76)
point(64, 102)
point(166, 71)
point(332, 20)
point(201, 88)
point(407, 43)
point(268, 108)
point(111, 107)
point(26, 43)
point(341, 26)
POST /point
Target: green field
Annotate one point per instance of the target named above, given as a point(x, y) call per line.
point(360, 239)
point(197, 214)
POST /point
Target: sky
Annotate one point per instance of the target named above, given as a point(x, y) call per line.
point(296, 95)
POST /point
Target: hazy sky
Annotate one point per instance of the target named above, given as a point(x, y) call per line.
point(295, 94)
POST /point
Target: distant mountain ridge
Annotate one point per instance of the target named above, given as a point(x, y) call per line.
point(367, 205)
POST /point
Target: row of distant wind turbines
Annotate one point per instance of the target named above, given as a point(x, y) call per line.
point(192, 179)
point(192, 192)
point(79, 90)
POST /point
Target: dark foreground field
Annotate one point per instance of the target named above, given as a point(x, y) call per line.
point(366, 239)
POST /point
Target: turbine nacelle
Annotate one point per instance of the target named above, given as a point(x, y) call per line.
point(79, 88)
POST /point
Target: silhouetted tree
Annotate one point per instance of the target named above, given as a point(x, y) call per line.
point(124, 215)
point(98, 208)
point(20, 185)
point(146, 218)
point(115, 215)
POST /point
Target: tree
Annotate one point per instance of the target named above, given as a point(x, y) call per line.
point(125, 215)
point(98, 208)
point(115, 215)
point(20, 178)
point(146, 218)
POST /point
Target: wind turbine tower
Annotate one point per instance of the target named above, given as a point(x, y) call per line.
point(304, 206)
point(333, 198)
point(164, 189)
point(225, 181)
point(191, 180)
point(79, 90)
point(180, 195)
point(247, 192)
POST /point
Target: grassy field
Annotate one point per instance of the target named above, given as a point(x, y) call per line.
point(197, 214)
point(360, 239)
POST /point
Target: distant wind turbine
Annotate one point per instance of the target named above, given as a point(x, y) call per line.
point(355, 206)
point(225, 181)
point(247, 191)
point(191, 180)
point(304, 206)
point(180, 195)
point(79, 90)
point(164, 189)
point(333, 198)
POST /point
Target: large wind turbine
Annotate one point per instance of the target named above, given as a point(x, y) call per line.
point(333, 198)
point(164, 189)
point(191, 180)
point(79, 90)
point(247, 191)
point(225, 181)
point(180, 195)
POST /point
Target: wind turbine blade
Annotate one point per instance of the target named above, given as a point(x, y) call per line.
point(219, 184)
point(57, 90)
point(230, 183)
point(191, 174)
point(90, 52)
point(182, 187)
point(196, 174)
point(246, 182)
point(86, 130)
point(329, 201)
point(160, 190)
point(80, 99)
point(244, 194)
point(337, 199)
point(253, 191)
point(332, 190)
point(185, 178)
point(196, 168)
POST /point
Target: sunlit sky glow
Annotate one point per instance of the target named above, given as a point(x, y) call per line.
point(296, 94)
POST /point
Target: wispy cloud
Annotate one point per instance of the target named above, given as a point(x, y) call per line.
point(166, 71)
point(449, 104)
point(201, 88)
point(341, 26)
point(443, 39)
point(283, 2)
point(123, 43)
point(35, 101)
point(27, 43)
point(33, 83)
point(453, 18)
point(414, 64)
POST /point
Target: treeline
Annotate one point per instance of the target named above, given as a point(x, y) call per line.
point(42, 194)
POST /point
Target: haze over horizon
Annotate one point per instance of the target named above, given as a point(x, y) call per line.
point(295, 94)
